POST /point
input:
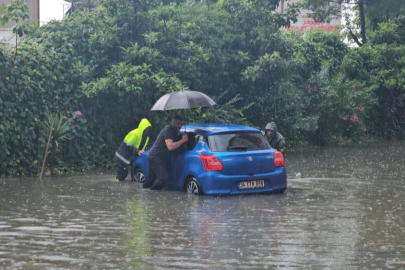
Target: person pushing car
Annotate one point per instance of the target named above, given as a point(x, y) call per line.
point(129, 148)
point(159, 155)
point(275, 139)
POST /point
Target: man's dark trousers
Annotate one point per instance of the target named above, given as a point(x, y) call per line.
point(157, 175)
point(122, 173)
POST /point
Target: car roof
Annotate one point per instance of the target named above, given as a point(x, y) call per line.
point(211, 129)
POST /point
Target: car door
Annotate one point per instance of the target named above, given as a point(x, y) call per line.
point(179, 166)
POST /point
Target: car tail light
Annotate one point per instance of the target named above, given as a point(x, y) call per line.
point(278, 159)
point(211, 163)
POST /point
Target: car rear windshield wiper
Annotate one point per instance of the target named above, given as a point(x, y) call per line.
point(241, 148)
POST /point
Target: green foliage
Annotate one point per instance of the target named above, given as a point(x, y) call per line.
point(224, 113)
point(85, 5)
point(377, 11)
point(114, 63)
point(369, 14)
point(390, 33)
point(380, 68)
point(16, 12)
point(60, 129)
point(60, 134)
point(324, 10)
point(302, 84)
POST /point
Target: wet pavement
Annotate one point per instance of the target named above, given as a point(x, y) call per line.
point(344, 209)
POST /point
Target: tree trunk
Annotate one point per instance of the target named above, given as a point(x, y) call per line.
point(362, 22)
point(354, 37)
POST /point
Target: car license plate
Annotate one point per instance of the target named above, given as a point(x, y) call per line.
point(251, 184)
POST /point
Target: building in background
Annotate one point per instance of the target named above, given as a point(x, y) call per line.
point(41, 12)
point(7, 36)
point(305, 22)
point(53, 10)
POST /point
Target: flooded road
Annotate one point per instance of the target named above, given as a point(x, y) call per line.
point(344, 209)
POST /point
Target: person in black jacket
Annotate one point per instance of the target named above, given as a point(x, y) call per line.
point(159, 155)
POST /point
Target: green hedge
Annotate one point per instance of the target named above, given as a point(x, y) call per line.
point(113, 64)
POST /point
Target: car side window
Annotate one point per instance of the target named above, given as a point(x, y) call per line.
point(205, 139)
point(192, 141)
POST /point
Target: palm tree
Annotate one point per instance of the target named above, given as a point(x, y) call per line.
point(61, 133)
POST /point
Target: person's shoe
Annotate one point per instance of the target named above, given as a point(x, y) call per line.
point(146, 185)
point(116, 179)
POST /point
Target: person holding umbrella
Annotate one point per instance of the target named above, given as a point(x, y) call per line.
point(167, 141)
point(129, 148)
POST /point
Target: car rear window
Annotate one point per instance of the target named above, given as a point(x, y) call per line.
point(238, 141)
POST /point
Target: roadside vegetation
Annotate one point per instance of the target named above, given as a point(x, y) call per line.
point(101, 72)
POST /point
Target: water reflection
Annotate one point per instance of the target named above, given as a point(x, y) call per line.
point(137, 241)
point(344, 212)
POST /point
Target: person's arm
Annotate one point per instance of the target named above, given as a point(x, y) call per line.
point(174, 145)
point(142, 145)
point(282, 145)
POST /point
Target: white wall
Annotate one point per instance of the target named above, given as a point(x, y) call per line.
point(7, 37)
point(52, 10)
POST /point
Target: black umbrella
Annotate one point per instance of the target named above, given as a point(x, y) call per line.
point(183, 100)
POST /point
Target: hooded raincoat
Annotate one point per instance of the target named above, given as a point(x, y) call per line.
point(131, 143)
point(277, 141)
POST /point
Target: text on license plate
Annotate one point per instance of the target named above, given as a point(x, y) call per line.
point(251, 184)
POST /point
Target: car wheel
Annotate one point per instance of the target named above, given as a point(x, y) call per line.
point(193, 187)
point(139, 176)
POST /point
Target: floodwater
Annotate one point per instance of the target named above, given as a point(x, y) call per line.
point(344, 210)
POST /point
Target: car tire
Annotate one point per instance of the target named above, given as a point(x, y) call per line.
point(137, 175)
point(192, 187)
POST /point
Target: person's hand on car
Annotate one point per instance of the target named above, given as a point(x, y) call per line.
point(185, 138)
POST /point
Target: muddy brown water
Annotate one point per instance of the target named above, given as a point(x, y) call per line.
point(344, 211)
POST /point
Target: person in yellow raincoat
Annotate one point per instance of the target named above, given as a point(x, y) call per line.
point(132, 146)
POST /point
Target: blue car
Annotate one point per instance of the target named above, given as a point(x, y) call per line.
point(222, 159)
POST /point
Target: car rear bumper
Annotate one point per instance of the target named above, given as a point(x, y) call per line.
point(215, 183)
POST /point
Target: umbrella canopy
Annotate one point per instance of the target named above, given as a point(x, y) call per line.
point(183, 100)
